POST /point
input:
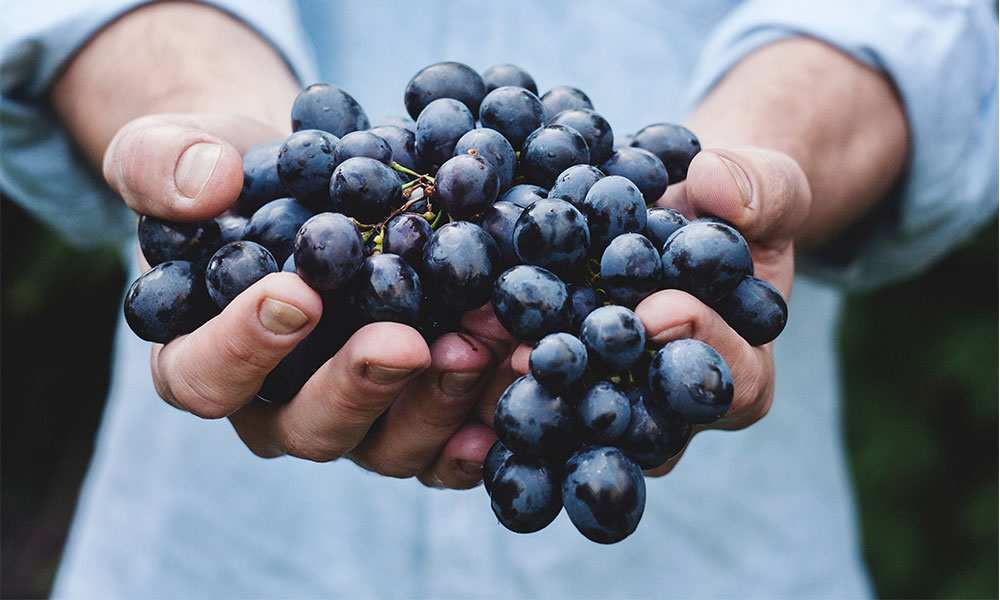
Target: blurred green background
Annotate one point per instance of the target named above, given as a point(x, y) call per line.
point(921, 380)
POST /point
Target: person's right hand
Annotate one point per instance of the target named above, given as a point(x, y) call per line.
point(386, 399)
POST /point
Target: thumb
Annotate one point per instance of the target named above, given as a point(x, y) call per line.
point(182, 167)
point(763, 193)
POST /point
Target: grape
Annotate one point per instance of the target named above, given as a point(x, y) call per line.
point(460, 264)
point(495, 459)
point(604, 493)
point(642, 168)
point(613, 206)
point(630, 269)
point(525, 494)
point(167, 301)
point(564, 97)
point(328, 251)
point(235, 267)
point(661, 223)
point(402, 143)
point(583, 301)
point(573, 184)
point(439, 127)
point(396, 121)
point(305, 163)
point(531, 302)
point(653, 435)
point(706, 259)
point(514, 112)
point(329, 108)
point(755, 309)
point(615, 338)
point(275, 225)
point(674, 145)
point(603, 413)
point(495, 148)
point(231, 227)
point(365, 189)
point(386, 289)
point(690, 378)
point(553, 234)
point(501, 75)
point(161, 240)
point(550, 150)
point(444, 80)
point(557, 361)
point(362, 143)
point(405, 236)
point(467, 185)
point(594, 128)
point(524, 194)
point(532, 421)
point(261, 183)
point(498, 220)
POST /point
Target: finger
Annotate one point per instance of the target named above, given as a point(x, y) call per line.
point(520, 359)
point(672, 314)
point(429, 411)
point(763, 193)
point(220, 366)
point(460, 463)
point(182, 167)
point(338, 405)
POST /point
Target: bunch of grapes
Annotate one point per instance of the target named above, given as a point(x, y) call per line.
point(490, 193)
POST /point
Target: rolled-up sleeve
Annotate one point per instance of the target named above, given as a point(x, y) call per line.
point(942, 58)
point(40, 168)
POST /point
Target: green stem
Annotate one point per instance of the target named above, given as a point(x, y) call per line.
point(402, 169)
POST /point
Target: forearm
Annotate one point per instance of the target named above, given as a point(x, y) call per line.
point(841, 121)
point(170, 57)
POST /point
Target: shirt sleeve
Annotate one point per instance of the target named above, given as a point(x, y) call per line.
point(40, 168)
point(942, 58)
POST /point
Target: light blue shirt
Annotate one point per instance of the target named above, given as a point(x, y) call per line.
point(174, 506)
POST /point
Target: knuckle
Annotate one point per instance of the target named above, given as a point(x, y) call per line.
point(245, 355)
point(199, 397)
point(311, 447)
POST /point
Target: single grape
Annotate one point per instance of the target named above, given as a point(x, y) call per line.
point(514, 112)
point(613, 206)
point(439, 127)
point(532, 421)
point(362, 143)
point(594, 128)
point(615, 339)
point(707, 259)
point(673, 144)
point(495, 148)
point(755, 309)
point(366, 189)
point(168, 301)
point(550, 150)
point(564, 97)
point(604, 493)
point(161, 240)
point(524, 194)
point(507, 74)
point(328, 108)
point(603, 413)
point(573, 184)
point(531, 302)
point(525, 494)
point(553, 234)
point(402, 142)
point(642, 168)
point(460, 264)
point(498, 220)
point(630, 269)
point(405, 235)
point(558, 361)
point(235, 267)
point(444, 80)
point(305, 164)
point(467, 185)
point(661, 223)
point(495, 459)
point(231, 227)
point(583, 301)
point(653, 435)
point(275, 225)
point(261, 183)
point(386, 288)
point(690, 378)
point(328, 251)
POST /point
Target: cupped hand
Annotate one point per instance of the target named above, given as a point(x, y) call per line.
point(385, 400)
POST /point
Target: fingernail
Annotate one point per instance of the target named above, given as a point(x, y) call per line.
point(195, 167)
point(677, 332)
point(471, 467)
point(384, 375)
point(281, 317)
point(740, 179)
point(456, 384)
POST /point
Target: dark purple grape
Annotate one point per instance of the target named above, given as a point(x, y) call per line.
point(444, 80)
point(642, 168)
point(495, 148)
point(553, 234)
point(573, 184)
point(661, 223)
point(613, 206)
point(513, 111)
point(231, 227)
point(235, 267)
point(531, 302)
point(498, 220)
point(594, 128)
point(275, 225)
point(467, 185)
point(405, 236)
point(603, 413)
point(673, 144)
point(500, 75)
point(386, 289)
point(305, 164)
point(439, 127)
point(532, 421)
point(525, 495)
point(396, 121)
point(653, 435)
point(460, 264)
point(630, 269)
point(402, 142)
point(690, 378)
point(755, 309)
point(564, 97)
point(365, 189)
point(706, 259)
point(167, 301)
point(289, 265)
point(583, 300)
point(524, 194)
point(362, 143)
point(550, 150)
point(162, 240)
point(328, 108)
point(615, 339)
point(328, 251)
point(558, 361)
point(495, 459)
point(604, 493)
point(261, 183)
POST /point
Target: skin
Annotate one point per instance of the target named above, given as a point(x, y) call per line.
point(800, 141)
